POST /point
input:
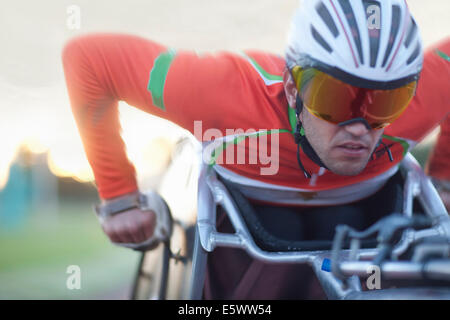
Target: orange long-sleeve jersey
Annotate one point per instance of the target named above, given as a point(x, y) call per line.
point(227, 91)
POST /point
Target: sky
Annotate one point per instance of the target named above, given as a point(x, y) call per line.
point(34, 107)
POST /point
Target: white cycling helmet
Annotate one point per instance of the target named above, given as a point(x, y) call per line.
point(365, 43)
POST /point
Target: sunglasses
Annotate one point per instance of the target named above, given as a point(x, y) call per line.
point(338, 102)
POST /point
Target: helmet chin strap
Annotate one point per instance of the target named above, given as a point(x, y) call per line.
point(302, 141)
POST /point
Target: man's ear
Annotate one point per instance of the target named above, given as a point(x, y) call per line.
point(289, 87)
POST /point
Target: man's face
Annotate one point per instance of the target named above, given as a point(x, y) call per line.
point(344, 150)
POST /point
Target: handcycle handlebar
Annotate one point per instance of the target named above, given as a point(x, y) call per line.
point(438, 269)
point(352, 263)
point(265, 247)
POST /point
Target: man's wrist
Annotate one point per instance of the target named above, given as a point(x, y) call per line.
point(112, 206)
point(133, 193)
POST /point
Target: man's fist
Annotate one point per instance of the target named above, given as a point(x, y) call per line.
point(136, 221)
point(132, 226)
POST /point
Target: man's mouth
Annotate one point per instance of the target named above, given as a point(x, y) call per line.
point(353, 149)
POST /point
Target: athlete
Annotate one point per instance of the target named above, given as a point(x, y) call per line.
point(351, 97)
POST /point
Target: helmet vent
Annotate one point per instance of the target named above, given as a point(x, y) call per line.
point(411, 33)
point(414, 54)
point(395, 25)
point(348, 11)
point(316, 35)
point(326, 17)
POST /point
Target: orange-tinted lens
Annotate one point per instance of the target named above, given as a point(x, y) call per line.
point(333, 100)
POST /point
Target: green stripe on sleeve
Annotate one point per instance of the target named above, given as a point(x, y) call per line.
point(267, 75)
point(157, 78)
point(442, 55)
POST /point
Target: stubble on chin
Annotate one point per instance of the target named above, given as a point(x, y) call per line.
point(348, 168)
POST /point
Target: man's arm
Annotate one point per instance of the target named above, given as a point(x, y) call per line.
point(431, 104)
point(182, 87)
point(102, 69)
point(429, 108)
point(438, 166)
point(98, 74)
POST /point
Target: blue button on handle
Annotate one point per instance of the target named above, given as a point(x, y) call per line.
point(326, 265)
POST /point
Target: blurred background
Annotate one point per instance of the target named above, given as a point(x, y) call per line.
point(46, 188)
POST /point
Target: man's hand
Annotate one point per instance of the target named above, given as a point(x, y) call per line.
point(132, 226)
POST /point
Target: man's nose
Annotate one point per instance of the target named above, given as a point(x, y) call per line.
point(356, 129)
